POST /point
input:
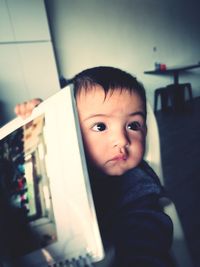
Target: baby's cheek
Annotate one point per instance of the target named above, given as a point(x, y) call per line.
point(89, 148)
point(137, 152)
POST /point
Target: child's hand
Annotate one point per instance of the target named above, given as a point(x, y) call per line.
point(25, 109)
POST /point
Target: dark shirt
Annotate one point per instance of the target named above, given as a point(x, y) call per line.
point(131, 219)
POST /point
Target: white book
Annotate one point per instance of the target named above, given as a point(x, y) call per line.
point(47, 212)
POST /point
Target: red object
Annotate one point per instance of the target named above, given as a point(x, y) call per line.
point(163, 67)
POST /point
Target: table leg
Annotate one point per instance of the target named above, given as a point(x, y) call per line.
point(176, 76)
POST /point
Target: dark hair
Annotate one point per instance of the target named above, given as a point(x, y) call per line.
point(108, 78)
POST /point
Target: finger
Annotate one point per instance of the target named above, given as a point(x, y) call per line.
point(25, 109)
point(21, 110)
point(33, 103)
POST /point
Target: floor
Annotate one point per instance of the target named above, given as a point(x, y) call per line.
point(180, 150)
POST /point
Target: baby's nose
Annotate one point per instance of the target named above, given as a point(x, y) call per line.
point(121, 139)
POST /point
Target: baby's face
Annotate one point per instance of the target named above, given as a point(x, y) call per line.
point(113, 129)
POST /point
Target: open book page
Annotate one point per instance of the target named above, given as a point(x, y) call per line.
point(47, 210)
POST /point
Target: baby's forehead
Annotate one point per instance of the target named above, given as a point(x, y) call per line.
point(97, 98)
point(107, 92)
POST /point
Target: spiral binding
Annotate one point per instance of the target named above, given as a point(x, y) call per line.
point(82, 261)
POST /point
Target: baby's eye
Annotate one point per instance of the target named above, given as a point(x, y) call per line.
point(134, 126)
point(99, 127)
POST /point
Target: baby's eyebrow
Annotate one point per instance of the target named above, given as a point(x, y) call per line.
point(140, 113)
point(95, 115)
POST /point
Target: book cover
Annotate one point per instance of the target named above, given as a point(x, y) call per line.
point(47, 213)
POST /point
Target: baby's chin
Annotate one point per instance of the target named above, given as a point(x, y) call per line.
point(111, 169)
point(116, 171)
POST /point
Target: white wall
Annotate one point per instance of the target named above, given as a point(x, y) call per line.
point(88, 33)
point(123, 33)
point(27, 62)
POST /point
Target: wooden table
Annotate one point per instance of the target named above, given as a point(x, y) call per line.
point(175, 71)
point(175, 90)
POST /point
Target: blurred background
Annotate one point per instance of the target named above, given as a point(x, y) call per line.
point(42, 41)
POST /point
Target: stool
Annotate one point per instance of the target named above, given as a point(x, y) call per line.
point(177, 95)
point(173, 92)
point(187, 86)
point(163, 92)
